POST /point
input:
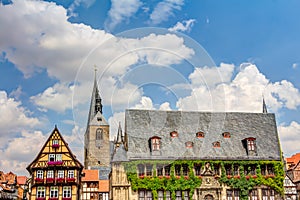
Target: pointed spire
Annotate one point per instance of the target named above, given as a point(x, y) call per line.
point(264, 106)
point(96, 105)
point(119, 135)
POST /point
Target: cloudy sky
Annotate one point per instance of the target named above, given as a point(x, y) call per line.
point(205, 55)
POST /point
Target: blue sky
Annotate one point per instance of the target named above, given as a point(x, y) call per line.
point(204, 55)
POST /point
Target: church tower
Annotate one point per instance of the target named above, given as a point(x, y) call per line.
point(96, 144)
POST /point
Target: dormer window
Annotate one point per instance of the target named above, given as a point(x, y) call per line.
point(174, 134)
point(200, 134)
point(250, 144)
point(226, 135)
point(216, 144)
point(155, 143)
point(189, 144)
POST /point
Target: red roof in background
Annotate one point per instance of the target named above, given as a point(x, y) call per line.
point(90, 175)
point(21, 180)
point(103, 185)
point(293, 159)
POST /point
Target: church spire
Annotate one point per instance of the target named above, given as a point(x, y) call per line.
point(264, 106)
point(119, 135)
point(96, 105)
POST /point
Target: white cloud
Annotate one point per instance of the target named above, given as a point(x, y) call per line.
point(21, 151)
point(242, 93)
point(42, 28)
point(121, 10)
point(77, 3)
point(164, 10)
point(212, 76)
point(295, 65)
point(14, 117)
point(145, 104)
point(183, 26)
point(289, 137)
point(162, 50)
point(165, 106)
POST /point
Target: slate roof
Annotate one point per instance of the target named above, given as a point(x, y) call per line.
point(140, 125)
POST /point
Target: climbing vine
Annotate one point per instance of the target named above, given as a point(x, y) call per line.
point(243, 182)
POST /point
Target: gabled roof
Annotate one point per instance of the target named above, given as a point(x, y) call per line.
point(55, 131)
point(143, 124)
point(120, 154)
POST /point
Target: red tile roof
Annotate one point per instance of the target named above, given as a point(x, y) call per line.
point(103, 185)
point(293, 160)
point(21, 180)
point(90, 175)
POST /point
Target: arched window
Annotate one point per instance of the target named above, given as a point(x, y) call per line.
point(99, 134)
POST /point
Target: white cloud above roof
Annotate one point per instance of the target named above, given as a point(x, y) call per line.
point(121, 10)
point(165, 9)
point(184, 26)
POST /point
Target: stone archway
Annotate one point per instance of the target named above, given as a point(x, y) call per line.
point(208, 197)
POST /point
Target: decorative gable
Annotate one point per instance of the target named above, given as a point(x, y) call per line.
point(55, 152)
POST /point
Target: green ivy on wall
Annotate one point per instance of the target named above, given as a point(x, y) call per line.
point(245, 182)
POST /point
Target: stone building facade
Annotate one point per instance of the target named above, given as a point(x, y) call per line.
point(168, 155)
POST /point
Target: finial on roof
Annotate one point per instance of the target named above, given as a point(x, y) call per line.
point(264, 106)
point(55, 126)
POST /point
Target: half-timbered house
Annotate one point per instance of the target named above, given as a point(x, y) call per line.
point(55, 172)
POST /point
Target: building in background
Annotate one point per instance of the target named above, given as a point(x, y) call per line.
point(197, 155)
point(290, 189)
point(55, 172)
point(8, 186)
point(92, 187)
point(293, 171)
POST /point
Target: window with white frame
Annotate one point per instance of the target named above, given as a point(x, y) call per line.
point(41, 192)
point(178, 195)
point(51, 157)
point(155, 141)
point(233, 194)
point(71, 174)
point(145, 195)
point(253, 195)
point(50, 174)
point(58, 157)
point(55, 142)
point(60, 174)
point(53, 192)
point(40, 174)
point(160, 195)
point(168, 195)
point(67, 192)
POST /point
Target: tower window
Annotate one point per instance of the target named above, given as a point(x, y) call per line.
point(99, 134)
